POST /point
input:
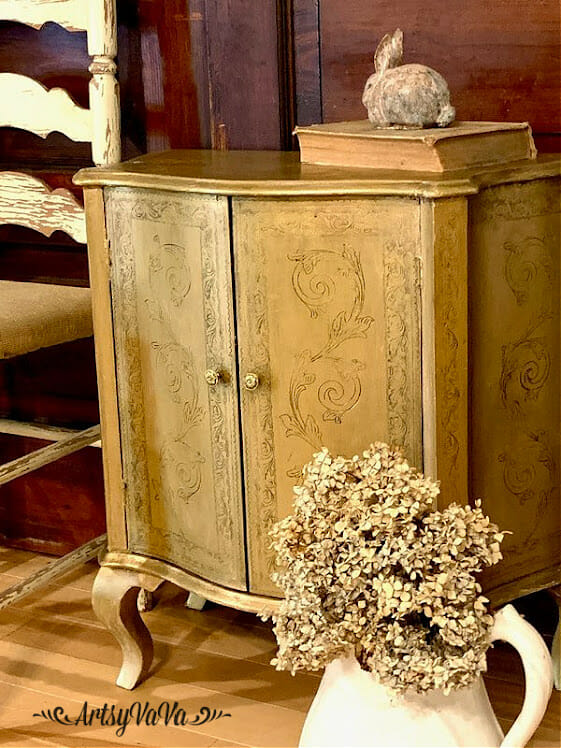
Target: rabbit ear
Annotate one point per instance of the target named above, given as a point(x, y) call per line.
point(389, 52)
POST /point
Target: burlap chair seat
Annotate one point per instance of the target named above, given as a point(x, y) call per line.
point(39, 315)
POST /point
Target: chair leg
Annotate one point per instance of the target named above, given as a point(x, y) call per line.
point(114, 599)
point(53, 571)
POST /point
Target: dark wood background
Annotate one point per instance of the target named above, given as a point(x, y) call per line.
point(229, 74)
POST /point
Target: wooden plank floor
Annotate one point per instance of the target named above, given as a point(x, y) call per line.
point(53, 652)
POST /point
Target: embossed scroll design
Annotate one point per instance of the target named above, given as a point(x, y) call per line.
point(450, 259)
point(170, 280)
point(521, 468)
point(400, 305)
point(180, 462)
point(526, 361)
point(530, 469)
point(314, 281)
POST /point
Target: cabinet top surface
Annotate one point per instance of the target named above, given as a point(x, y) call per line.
point(254, 173)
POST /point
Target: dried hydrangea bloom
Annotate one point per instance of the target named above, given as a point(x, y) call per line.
point(369, 568)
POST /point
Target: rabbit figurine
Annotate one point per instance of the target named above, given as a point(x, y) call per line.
point(405, 96)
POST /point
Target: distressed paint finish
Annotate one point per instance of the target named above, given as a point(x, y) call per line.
point(52, 572)
point(28, 105)
point(27, 201)
point(26, 464)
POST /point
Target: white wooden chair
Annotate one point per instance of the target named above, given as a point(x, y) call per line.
point(36, 315)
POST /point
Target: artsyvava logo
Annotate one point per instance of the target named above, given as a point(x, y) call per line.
point(112, 715)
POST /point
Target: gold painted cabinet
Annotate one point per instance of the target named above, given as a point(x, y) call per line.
point(249, 310)
point(228, 394)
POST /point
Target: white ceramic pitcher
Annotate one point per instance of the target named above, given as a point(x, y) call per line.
point(352, 709)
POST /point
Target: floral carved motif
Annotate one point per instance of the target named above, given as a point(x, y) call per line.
point(170, 282)
point(526, 262)
point(179, 460)
point(314, 281)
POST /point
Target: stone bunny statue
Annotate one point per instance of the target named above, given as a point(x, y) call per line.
point(405, 96)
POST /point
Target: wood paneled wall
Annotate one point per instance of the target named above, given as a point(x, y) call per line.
point(501, 61)
point(232, 74)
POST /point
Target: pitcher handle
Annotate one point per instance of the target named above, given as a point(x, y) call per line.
point(510, 627)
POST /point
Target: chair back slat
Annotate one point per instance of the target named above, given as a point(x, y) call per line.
point(27, 201)
point(71, 14)
point(41, 110)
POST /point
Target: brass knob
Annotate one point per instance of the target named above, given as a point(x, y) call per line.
point(212, 377)
point(251, 381)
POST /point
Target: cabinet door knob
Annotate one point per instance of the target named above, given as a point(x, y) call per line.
point(251, 381)
point(212, 377)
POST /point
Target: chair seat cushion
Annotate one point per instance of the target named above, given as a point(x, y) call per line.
point(39, 315)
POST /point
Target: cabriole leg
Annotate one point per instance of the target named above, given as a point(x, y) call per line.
point(114, 600)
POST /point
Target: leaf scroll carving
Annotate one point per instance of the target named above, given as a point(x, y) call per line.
point(315, 281)
point(526, 362)
point(530, 470)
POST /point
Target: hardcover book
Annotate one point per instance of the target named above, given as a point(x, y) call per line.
point(461, 145)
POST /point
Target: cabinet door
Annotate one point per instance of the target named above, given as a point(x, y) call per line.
point(328, 319)
point(173, 320)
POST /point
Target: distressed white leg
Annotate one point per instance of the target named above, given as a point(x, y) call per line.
point(114, 600)
point(556, 648)
point(195, 602)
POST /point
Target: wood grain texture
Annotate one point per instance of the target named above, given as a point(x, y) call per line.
point(54, 509)
point(502, 68)
point(171, 55)
point(58, 654)
point(243, 74)
point(307, 71)
point(28, 202)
